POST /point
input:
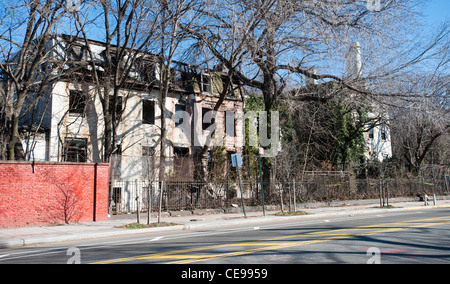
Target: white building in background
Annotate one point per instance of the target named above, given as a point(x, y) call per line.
point(378, 143)
point(378, 137)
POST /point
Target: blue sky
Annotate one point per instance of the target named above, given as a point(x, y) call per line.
point(437, 11)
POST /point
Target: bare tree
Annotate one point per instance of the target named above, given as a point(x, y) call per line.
point(174, 14)
point(284, 40)
point(222, 39)
point(27, 61)
point(288, 41)
point(124, 52)
point(422, 122)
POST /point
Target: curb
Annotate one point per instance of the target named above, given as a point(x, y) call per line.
point(243, 221)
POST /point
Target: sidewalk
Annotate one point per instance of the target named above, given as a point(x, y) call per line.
point(37, 235)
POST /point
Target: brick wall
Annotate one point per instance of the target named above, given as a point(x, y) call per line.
point(52, 193)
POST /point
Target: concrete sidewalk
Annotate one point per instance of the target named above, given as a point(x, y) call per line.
point(50, 234)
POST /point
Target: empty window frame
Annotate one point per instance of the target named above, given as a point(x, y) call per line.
point(118, 109)
point(232, 86)
point(77, 52)
point(206, 83)
point(180, 152)
point(371, 131)
point(117, 195)
point(148, 151)
point(149, 71)
point(182, 163)
point(77, 102)
point(148, 112)
point(383, 133)
point(75, 150)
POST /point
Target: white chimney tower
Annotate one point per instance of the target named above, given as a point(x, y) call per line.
point(354, 62)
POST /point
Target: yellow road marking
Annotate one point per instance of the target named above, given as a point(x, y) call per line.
point(292, 244)
point(271, 244)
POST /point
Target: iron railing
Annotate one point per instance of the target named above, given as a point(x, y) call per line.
point(129, 196)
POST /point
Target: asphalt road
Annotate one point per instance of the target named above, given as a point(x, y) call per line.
point(408, 237)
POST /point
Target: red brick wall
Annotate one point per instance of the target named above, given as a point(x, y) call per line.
point(52, 193)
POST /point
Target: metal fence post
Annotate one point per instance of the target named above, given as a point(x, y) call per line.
point(149, 202)
point(260, 175)
point(381, 195)
point(447, 181)
point(295, 203)
point(160, 200)
point(242, 193)
point(137, 202)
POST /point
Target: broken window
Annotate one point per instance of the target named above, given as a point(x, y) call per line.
point(383, 133)
point(148, 112)
point(180, 152)
point(75, 150)
point(148, 151)
point(206, 83)
point(148, 71)
point(118, 110)
point(371, 132)
point(77, 52)
point(232, 86)
point(77, 102)
point(118, 150)
point(182, 163)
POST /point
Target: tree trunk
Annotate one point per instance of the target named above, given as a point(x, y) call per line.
point(108, 126)
point(14, 131)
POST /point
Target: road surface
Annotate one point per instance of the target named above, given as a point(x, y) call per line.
point(408, 237)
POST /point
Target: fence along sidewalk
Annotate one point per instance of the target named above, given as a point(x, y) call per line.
point(138, 181)
point(188, 195)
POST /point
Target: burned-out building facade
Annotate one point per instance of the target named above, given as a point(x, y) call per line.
point(67, 122)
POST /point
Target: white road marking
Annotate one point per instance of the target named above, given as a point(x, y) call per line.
point(156, 239)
